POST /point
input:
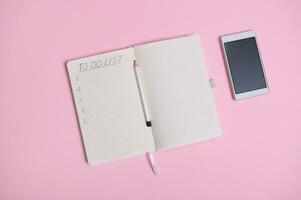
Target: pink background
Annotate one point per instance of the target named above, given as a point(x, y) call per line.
point(41, 154)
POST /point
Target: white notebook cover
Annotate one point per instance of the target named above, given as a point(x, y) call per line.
point(110, 110)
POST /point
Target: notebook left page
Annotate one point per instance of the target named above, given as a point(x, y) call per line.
point(108, 106)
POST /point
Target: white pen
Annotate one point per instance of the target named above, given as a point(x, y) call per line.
point(146, 111)
point(145, 104)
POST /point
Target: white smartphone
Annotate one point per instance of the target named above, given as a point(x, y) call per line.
point(244, 64)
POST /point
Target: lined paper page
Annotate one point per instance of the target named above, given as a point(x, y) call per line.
point(180, 97)
point(109, 107)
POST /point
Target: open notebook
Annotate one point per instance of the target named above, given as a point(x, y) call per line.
point(109, 106)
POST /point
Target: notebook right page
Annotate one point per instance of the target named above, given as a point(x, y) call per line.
point(180, 97)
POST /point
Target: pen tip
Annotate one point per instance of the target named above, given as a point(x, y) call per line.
point(155, 171)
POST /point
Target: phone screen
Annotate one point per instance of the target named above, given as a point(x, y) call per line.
point(245, 65)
